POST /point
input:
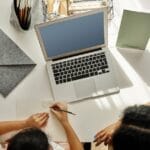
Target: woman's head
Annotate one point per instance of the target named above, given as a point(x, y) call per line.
point(29, 139)
point(134, 131)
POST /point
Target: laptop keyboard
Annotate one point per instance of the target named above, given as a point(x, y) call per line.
point(79, 68)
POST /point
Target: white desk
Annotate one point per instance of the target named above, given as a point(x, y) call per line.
point(132, 74)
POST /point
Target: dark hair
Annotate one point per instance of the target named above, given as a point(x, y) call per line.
point(29, 139)
point(138, 116)
point(134, 131)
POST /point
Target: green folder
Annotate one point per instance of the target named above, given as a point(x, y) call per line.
point(134, 30)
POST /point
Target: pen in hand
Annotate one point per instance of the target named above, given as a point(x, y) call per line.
point(58, 109)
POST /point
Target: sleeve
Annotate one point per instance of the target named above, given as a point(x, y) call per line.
point(56, 146)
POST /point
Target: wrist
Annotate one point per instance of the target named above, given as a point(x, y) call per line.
point(65, 123)
point(25, 124)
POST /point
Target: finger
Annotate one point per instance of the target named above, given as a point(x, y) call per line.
point(100, 135)
point(43, 121)
point(55, 107)
point(39, 116)
point(54, 111)
point(104, 138)
point(98, 142)
point(107, 141)
point(101, 140)
point(43, 116)
point(43, 113)
point(60, 105)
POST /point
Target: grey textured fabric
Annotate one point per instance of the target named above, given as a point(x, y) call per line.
point(14, 64)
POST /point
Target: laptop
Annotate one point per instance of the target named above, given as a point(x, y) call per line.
point(78, 61)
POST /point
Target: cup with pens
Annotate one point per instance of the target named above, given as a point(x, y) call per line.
point(23, 12)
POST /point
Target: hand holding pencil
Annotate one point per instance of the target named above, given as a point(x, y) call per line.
point(59, 110)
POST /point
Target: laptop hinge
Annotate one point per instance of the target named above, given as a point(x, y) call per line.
point(72, 55)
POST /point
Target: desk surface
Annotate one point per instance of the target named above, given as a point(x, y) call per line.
point(29, 96)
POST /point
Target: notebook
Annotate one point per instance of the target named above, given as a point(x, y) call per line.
point(134, 30)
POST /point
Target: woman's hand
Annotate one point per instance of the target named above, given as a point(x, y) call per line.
point(60, 115)
point(105, 135)
point(37, 120)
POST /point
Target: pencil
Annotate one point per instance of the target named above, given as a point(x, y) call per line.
point(58, 109)
point(67, 111)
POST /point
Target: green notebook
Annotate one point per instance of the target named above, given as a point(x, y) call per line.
point(134, 30)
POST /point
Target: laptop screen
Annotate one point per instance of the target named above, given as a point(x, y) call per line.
point(71, 35)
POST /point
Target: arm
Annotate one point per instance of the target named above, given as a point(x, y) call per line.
point(36, 120)
point(8, 126)
point(73, 140)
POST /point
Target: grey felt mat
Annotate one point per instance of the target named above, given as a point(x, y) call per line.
point(14, 64)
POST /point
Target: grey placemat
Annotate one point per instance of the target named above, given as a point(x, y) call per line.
point(10, 53)
point(15, 65)
point(10, 77)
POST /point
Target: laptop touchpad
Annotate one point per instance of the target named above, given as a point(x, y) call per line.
point(85, 88)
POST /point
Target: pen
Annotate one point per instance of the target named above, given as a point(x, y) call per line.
point(58, 109)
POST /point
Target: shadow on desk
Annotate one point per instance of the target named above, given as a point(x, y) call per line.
point(121, 77)
point(140, 61)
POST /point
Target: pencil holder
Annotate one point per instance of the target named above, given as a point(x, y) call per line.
point(26, 13)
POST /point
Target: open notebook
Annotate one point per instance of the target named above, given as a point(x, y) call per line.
point(85, 123)
point(134, 30)
point(54, 130)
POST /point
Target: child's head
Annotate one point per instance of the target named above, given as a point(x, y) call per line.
point(29, 139)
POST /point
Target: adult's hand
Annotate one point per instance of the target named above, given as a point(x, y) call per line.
point(60, 115)
point(105, 135)
point(37, 120)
